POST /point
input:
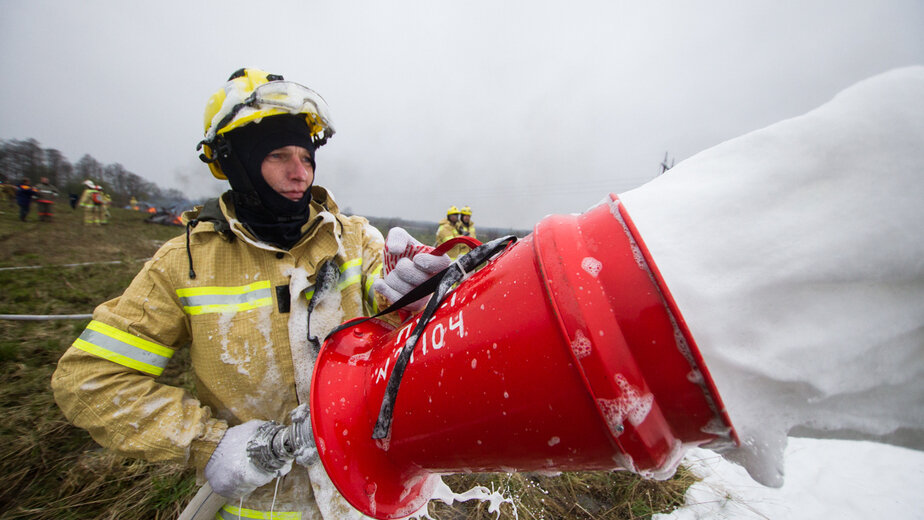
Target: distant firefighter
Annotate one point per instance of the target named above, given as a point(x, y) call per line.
point(8, 193)
point(24, 195)
point(91, 200)
point(47, 194)
point(458, 222)
point(448, 225)
point(105, 215)
point(465, 226)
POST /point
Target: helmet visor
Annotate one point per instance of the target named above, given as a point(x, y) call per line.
point(273, 98)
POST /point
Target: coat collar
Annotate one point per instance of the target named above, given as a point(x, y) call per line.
point(219, 216)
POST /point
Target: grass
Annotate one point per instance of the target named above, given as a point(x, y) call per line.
point(52, 470)
point(570, 495)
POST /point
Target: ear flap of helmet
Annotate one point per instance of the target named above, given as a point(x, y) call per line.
point(210, 156)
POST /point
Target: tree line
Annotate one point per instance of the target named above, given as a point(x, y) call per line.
point(28, 159)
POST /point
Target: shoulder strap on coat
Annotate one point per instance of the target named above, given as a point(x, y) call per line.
point(211, 212)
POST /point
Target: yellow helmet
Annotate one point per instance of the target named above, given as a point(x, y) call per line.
point(452, 211)
point(467, 210)
point(249, 96)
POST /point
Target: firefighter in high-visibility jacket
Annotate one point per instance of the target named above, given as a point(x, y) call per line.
point(465, 227)
point(265, 272)
point(448, 228)
point(91, 200)
point(452, 226)
point(105, 214)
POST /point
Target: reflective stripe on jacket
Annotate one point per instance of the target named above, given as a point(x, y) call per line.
point(246, 334)
point(123, 348)
point(232, 512)
point(46, 192)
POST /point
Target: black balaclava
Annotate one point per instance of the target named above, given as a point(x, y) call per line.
point(270, 216)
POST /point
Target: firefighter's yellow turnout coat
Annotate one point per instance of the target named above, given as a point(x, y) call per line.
point(445, 231)
point(244, 317)
point(92, 210)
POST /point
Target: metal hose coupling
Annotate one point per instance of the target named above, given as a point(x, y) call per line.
point(274, 445)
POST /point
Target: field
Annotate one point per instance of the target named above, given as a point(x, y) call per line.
point(52, 470)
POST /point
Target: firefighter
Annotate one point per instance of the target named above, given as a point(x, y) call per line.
point(262, 274)
point(91, 200)
point(24, 195)
point(448, 226)
point(104, 214)
point(465, 226)
point(7, 194)
point(451, 227)
point(47, 194)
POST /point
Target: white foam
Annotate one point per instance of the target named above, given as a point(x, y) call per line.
point(303, 356)
point(581, 345)
point(444, 494)
point(633, 405)
point(796, 257)
point(591, 265)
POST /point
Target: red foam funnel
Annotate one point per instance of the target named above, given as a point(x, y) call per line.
point(564, 353)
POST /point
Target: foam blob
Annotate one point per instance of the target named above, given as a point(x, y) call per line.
point(796, 256)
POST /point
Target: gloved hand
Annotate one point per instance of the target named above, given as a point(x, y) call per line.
point(306, 453)
point(231, 470)
point(408, 263)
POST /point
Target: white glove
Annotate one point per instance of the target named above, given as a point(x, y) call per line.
point(408, 263)
point(230, 471)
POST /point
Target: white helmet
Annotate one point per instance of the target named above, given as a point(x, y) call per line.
point(89, 184)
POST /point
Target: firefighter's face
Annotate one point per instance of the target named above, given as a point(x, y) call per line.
point(288, 170)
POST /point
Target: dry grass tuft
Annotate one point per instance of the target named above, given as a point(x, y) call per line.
point(572, 495)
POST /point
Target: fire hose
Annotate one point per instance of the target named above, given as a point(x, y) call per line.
point(45, 317)
point(275, 445)
point(81, 264)
point(49, 317)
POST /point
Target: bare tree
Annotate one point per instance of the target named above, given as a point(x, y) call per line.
point(22, 159)
point(89, 168)
point(26, 158)
point(58, 167)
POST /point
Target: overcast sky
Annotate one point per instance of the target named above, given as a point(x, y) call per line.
point(516, 108)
